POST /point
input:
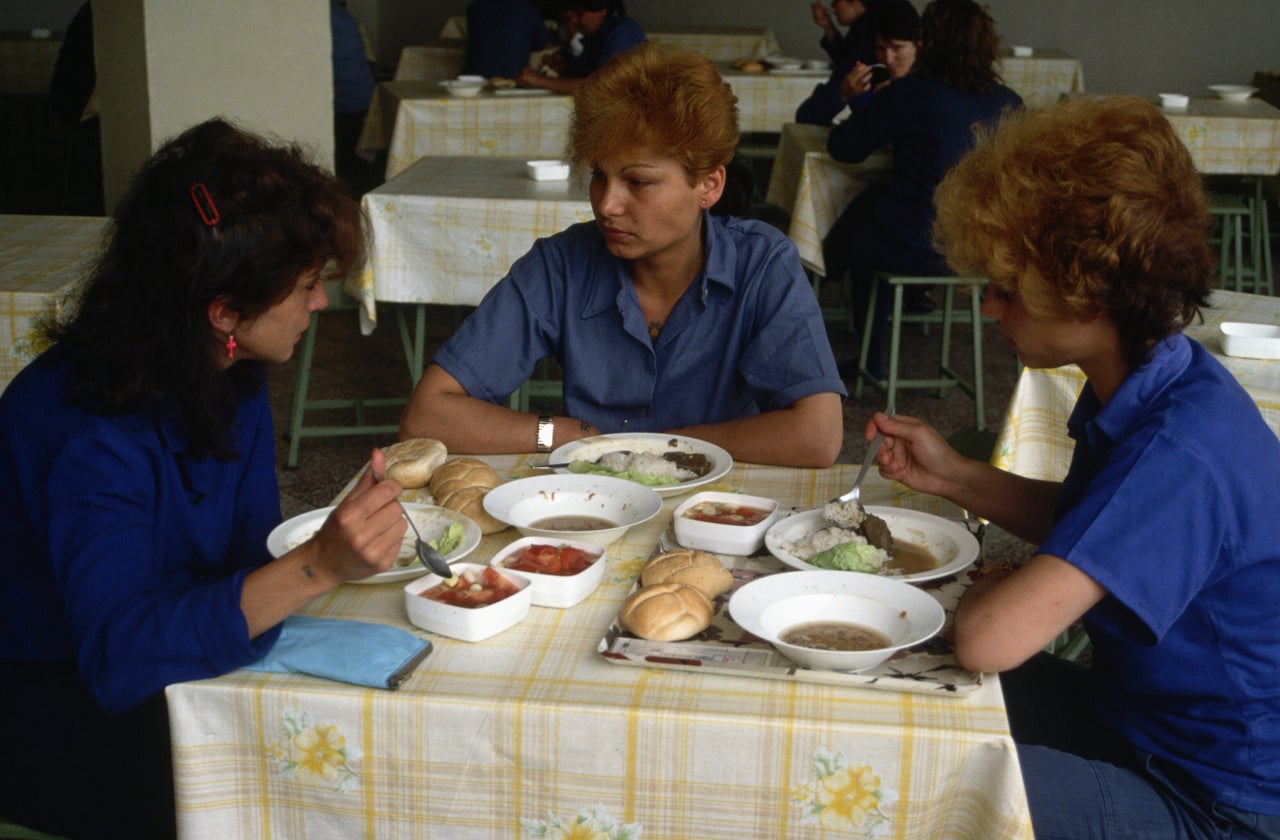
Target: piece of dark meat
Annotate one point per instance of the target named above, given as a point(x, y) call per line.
point(696, 462)
point(876, 530)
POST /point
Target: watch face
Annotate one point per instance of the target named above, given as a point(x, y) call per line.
point(546, 433)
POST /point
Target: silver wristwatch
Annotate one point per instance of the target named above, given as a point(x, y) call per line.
point(546, 432)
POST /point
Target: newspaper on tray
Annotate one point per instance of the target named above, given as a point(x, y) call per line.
point(725, 648)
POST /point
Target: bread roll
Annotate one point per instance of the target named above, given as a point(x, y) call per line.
point(752, 67)
point(460, 485)
point(411, 463)
point(698, 569)
point(666, 612)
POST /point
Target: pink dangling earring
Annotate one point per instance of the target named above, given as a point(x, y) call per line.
point(231, 346)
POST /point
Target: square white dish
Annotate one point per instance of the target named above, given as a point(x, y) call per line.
point(467, 624)
point(721, 538)
point(1250, 341)
point(552, 590)
point(547, 170)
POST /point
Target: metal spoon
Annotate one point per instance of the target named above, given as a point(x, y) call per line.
point(854, 494)
point(427, 555)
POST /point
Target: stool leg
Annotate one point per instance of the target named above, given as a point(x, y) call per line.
point(1262, 236)
point(895, 343)
point(302, 382)
point(865, 343)
point(979, 401)
point(1239, 254)
point(948, 298)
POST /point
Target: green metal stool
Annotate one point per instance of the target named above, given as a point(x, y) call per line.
point(12, 831)
point(338, 302)
point(947, 377)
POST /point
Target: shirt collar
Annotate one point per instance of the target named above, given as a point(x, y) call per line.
point(1164, 362)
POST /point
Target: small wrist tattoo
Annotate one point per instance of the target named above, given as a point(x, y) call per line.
point(306, 570)
point(584, 425)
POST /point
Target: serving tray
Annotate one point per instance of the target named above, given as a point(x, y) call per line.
point(725, 648)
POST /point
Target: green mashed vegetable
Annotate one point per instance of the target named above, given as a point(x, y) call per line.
point(849, 557)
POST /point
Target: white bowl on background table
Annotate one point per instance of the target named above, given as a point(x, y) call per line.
point(1233, 93)
point(1174, 100)
point(1250, 341)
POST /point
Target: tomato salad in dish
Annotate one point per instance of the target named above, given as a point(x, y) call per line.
point(544, 559)
point(726, 513)
point(474, 589)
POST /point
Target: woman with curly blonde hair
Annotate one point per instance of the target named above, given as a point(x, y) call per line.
point(664, 315)
point(1090, 221)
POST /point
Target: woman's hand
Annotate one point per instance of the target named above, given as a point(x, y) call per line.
point(858, 80)
point(823, 19)
point(915, 454)
point(364, 533)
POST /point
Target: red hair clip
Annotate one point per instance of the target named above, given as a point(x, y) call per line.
point(204, 204)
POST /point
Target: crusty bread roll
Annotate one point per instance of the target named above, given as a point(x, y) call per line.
point(752, 66)
point(460, 484)
point(411, 463)
point(666, 612)
point(698, 569)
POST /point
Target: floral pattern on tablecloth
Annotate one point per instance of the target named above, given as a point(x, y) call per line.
point(313, 754)
point(843, 795)
point(587, 824)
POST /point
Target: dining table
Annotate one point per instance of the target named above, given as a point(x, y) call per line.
point(1033, 438)
point(718, 43)
point(447, 229)
point(565, 726)
point(411, 119)
point(1229, 138)
point(42, 259)
point(1043, 76)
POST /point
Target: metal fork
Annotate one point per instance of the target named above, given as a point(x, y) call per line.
point(854, 494)
point(427, 555)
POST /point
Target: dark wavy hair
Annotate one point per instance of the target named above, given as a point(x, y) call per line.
point(140, 338)
point(958, 44)
point(1093, 205)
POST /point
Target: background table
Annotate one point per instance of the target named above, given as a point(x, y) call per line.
point(429, 62)
point(768, 100)
point(1043, 77)
point(448, 228)
point(719, 43)
point(41, 260)
point(814, 187)
point(1229, 138)
point(1033, 440)
point(420, 118)
point(524, 731)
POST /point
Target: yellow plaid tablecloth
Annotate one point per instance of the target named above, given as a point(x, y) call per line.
point(1033, 439)
point(41, 260)
point(531, 731)
point(815, 188)
point(429, 62)
point(1043, 77)
point(1230, 138)
point(720, 44)
point(767, 101)
point(422, 119)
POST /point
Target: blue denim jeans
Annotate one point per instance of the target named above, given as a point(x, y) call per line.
point(1083, 781)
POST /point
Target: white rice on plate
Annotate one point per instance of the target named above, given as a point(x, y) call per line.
point(645, 464)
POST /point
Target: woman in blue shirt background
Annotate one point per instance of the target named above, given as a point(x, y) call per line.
point(137, 477)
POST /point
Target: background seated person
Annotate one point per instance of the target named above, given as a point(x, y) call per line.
point(928, 117)
point(856, 43)
point(1090, 220)
point(501, 34)
point(895, 28)
point(606, 31)
point(664, 317)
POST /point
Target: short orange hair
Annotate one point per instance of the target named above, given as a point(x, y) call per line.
point(671, 101)
point(1091, 206)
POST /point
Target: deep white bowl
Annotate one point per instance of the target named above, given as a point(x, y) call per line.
point(467, 624)
point(722, 538)
point(547, 170)
point(431, 521)
point(1174, 100)
point(1233, 93)
point(528, 500)
point(1022, 52)
point(557, 590)
point(458, 87)
point(769, 606)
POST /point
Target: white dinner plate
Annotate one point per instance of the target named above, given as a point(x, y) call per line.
point(950, 542)
point(431, 521)
point(653, 443)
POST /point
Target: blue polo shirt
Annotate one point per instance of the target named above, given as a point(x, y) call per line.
point(123, 553)
point(1172, 504)
point(747, 335)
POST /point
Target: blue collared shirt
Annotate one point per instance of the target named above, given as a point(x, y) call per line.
point(1170, 504)
point(747, 335)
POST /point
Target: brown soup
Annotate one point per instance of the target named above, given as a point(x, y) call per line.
point(573, 523)
point(835, 635)
point(909, 559)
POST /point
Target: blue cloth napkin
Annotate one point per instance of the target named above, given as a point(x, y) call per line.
point(348, 651)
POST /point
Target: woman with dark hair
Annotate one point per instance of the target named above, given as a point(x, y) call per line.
point(894, 27)
point(1091, 222)
point(665, 316)
point(928, 117)
point(137, 477)
point(600, 29)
